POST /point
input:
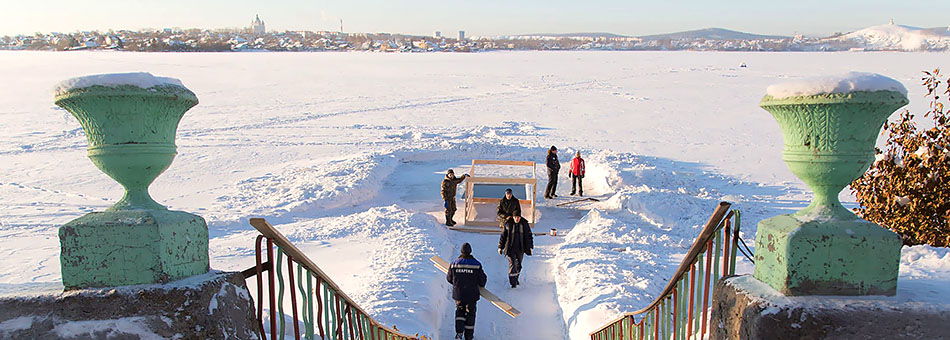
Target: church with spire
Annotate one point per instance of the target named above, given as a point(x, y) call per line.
point(257, 26)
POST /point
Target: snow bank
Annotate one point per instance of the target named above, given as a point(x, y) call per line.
point(107, 329)
point(620, 256)
point(850, 82)
point(315, 185)
point(139, 79)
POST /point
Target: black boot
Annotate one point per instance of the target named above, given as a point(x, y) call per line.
point(448, 221)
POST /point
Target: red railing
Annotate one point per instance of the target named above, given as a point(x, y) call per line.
point(673, 314)
point(336, 315)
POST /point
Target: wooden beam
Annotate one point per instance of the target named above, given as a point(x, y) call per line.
point(503, 180)
point(501, 162)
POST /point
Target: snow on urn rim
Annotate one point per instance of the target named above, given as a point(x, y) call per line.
point(143, 80)
point(846, 83)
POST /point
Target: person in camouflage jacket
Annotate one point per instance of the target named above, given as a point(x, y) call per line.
point(449, 185)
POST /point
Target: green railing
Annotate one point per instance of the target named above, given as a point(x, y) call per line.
point(674, 313)
point(325, 311)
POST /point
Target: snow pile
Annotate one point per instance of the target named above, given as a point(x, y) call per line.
point(618, 259)
point(328, 184)
point(899, 37)
point(925, 275)
point(129, 327)
point(144, 80)
point(850, 82)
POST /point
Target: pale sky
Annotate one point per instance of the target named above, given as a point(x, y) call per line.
point(477, 18)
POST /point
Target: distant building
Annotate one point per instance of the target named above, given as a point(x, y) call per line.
point(257, 26)
point(438, 34)
point(461, 35)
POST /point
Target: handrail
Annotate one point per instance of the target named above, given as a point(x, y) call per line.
point(671, 314)
point(711, 226)
point(339, 306)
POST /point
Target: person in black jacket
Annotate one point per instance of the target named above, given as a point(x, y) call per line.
point(507, 207)
point(466, 276)
point(553, 167)
point(516, 242)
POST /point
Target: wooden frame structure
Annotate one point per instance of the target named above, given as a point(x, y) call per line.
point(470, 200)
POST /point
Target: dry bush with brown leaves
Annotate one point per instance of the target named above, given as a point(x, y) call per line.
point(907, 188)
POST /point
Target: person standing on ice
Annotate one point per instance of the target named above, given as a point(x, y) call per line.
point(449, 185)
point(576, 173)
point(466, 276)
point(553, 167)
point(508, 207)
point(516, 242)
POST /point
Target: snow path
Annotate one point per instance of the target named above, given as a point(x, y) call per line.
point(416, 184)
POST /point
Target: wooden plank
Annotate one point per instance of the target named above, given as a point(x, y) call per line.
point(494, 299)
point(501, 162)
point(503, 180)
point(479, 230)
point(580, 200)
point(470, 229)
point(485, 200)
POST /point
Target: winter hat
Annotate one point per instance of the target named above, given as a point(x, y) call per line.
point(553, 148)
point(517, 213)
point(450, 171)
point(466, 249)
point(508, 191)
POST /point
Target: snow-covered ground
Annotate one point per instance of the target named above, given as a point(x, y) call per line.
point(343, 152)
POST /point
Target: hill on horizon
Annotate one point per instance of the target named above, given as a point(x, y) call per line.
point(712, 33)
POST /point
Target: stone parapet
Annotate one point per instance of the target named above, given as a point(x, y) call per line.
point(746, 308)
point(216, 305)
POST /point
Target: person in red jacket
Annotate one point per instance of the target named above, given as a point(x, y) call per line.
point(577, 174)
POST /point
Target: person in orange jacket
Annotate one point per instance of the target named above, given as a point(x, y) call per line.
point(577, 174)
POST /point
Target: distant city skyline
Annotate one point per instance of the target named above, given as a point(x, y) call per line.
point(482, 18)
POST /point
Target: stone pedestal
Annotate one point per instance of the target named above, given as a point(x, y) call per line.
point(129, 247)
point(844, 257)
point(745, 308)
point(215, 305)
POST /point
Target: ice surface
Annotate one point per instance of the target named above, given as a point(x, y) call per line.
point(140, 79)
point(850, 82)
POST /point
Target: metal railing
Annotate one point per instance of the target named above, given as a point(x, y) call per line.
point(674, 313)
point(336, 315)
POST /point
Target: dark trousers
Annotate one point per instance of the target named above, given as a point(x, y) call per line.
point(552, 183)
point(465, 318)
point(577, 184)
point(449, 209)
point(514, 267)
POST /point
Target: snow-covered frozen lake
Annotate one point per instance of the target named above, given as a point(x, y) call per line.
point(344, 152)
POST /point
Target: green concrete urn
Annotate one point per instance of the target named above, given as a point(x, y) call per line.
point(130, 122)
point(829, 126)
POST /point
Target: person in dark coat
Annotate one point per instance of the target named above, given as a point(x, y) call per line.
point(507, 207)
point(576, 173)
point(449, 184)
point(466, 276)
point(553, 167)
point(516, 242)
